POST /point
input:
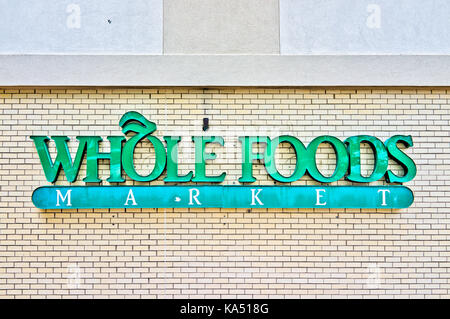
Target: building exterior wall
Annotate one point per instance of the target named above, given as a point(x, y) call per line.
point(268, 253)
point(165, 27)
point(224, 43)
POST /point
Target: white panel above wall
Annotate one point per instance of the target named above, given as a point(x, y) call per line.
point(224, 70)
point(81, 26)
point(365, 27)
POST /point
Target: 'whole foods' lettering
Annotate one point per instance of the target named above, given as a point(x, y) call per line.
point(122, 154)
point(121, 159)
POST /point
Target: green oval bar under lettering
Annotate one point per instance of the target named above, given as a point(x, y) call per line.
point(217, 196)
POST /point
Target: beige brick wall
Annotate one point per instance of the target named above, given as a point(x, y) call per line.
point(264, 253)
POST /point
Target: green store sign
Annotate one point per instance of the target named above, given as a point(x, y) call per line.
point(205, 192)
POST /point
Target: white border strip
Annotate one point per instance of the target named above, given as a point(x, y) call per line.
point(224, 70)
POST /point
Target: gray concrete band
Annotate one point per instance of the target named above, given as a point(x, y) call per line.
point(224, 70)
